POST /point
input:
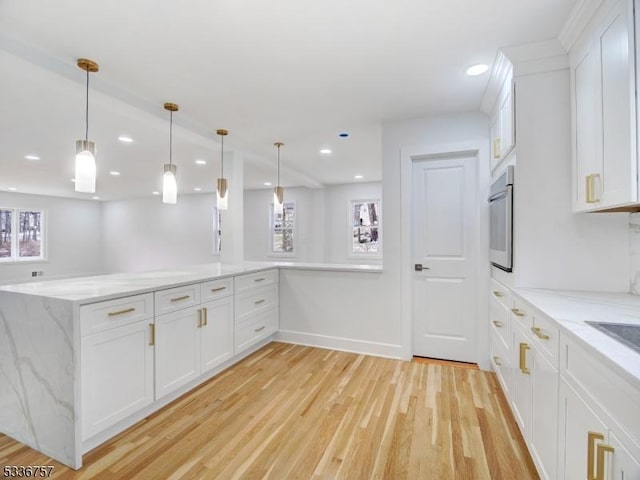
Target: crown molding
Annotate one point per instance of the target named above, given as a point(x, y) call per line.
point(537, 57)
point(580, 15)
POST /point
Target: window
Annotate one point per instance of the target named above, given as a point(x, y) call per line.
point(283, 230)
point(365, 228)
point(21, 235)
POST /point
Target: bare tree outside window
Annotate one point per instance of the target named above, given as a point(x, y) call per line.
point(365, 228)
point(22, 235)
point(6, 219)
point(30, 234)
point(283, 239)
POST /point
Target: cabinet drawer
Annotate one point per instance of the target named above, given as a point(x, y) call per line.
point(254, 301)
point(216, 289)
point(521, 314)
point(260, 279)
point(98, 317)
point(257, 328)
point(174, 299)
point(602, 387)
point(546, 335)
point(501, 363)
point(501, 293)
point(500, 318)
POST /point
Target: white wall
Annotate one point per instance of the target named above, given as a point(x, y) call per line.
point(634, 253)
point(145, 234)
point(323, 230)
point(73, 235)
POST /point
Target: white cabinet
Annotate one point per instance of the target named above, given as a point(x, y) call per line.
point(177, 349)
point(117, 375)
point(256, 308)
point(503, 123)
point(216, 334)
point(603, 83)
point(622, 464)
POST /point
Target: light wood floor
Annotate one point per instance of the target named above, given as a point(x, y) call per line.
point(289, 412)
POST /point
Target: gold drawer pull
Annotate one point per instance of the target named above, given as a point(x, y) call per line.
point(539, 334)
point(259, 329)
point(591, 457)
point(259, 279)
point(602, 449)
point(121, 312)
point(591, 188)
point(258, 302)
point(497, 361)
point(219, 289)
point(152, 334)
point(523, 358)
point(518, 312)
point(199, 318)
point(184, 297)
point(498, 324)
point(498, 294)
point(206, 317)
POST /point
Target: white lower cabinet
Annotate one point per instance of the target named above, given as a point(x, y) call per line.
point(521, 390)
point(216, 335)
point(177, 349)
point(622, 464)
point(117, 375)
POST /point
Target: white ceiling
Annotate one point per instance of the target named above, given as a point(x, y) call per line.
point(299, 71)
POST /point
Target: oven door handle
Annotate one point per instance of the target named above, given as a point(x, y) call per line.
point(497, 196)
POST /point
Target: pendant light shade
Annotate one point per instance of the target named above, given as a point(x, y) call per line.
point(85, 177)
point(169, 182)
point(222, 192)
point(278, 191)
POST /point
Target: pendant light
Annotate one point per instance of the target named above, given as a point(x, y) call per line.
point(222, 192)
point(169, 184)
point(278, 191)
point(85, 178)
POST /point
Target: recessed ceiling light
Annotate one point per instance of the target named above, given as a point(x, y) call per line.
point(197, 189)
point(13, 189)
point(114, 173)
point(125, 139)
point(343, 135)
point(32, 157)
point(96, 198)
point(358, 177)
point(267, 184)
point(201, 162)
point(476, 70)
point(325, 151)
point(155, 193)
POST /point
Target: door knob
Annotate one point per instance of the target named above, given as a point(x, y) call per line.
point(418, 267)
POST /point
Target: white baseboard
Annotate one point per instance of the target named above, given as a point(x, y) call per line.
point(343, 344)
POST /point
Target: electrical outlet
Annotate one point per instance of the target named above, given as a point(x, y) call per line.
point(40, 273)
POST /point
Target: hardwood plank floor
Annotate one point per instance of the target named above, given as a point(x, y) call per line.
point(289, 411)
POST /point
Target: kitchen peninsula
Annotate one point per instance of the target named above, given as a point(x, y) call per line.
point(84, 358)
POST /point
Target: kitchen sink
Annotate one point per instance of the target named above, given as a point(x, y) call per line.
point(627, 334)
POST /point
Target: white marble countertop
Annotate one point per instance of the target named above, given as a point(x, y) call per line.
point(572, 309)
point(104, 287)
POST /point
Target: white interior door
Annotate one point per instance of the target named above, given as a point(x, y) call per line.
point(444, 240)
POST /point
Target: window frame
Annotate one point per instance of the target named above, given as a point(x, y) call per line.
point(15, 257)
point(294, 253)
point(351, 254)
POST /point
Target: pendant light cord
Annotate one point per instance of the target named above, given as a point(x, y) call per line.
point(278, 165)
point(86, 114)
point(221, 156)
point(170, 136)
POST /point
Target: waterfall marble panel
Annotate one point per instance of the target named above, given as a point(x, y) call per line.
point(634, 252)
point(38, 374)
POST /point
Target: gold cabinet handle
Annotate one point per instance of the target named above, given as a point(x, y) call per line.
point(152, 334)
point(591, 188)
point(199, 318)
point(259, 329)
point(539, 334)
point(496, 147)
point(498, 294)
point(602, 449)
point(121, 312)
point(518, 312)
point(523, 358)
point(497, 361)
point(206, 317)
point(219, 289)
point(184, 297)
point(497, 323)
point(259, 280)
point(591, 457)
point(258, 302)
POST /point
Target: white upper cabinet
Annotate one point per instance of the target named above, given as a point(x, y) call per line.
point(603, 101)
point(503, 123)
